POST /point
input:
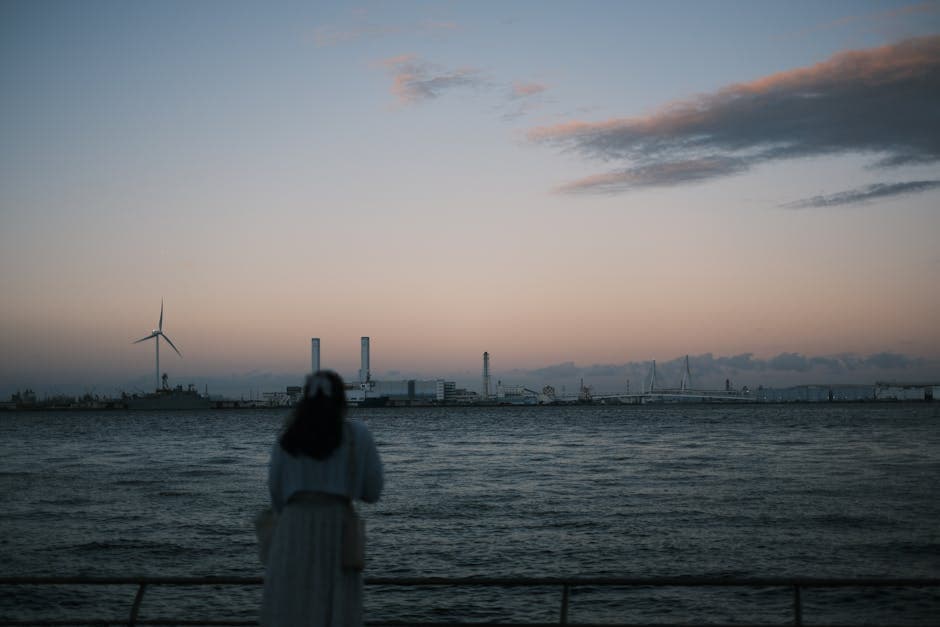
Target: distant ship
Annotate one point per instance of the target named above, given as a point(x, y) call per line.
point(175, 398)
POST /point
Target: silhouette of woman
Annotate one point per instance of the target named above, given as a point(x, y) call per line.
point(319, 465)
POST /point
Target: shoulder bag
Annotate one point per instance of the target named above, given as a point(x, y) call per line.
point(354, 527)
point(265, 522)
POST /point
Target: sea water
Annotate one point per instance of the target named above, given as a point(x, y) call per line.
point(823, 490)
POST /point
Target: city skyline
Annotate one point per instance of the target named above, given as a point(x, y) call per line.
point(573, 188)
point(708, 372)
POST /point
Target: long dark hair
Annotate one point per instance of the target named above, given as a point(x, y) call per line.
point(316, 426)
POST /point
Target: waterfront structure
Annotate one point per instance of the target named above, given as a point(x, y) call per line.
point(652, 377)
point(405, 392)
point(880, 391)
point(368, 391)
point(277, 399)
point(686, 383)
point(816, 393)
point(364, 375)
point(168, 398)
point(515, 394)
point(895, 391)
point(445, 391)
point(486, 377)
point(156, 334)
point(314, 354)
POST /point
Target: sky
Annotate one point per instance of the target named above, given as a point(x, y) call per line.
point(576, 188)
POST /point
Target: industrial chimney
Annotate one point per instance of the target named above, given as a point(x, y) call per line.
point(486, 376)
point(314, 354)
point(364, 369)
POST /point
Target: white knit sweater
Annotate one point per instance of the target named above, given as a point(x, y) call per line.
point(287, 474)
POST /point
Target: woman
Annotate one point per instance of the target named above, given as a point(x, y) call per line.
point(320, 464)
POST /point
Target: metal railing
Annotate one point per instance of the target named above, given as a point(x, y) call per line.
point(566, 585)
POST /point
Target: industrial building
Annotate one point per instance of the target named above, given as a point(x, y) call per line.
point(368, 391)
point(815, 393)
point(849, 392)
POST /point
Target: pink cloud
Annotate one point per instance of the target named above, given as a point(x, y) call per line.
point(652, 175)
point(878, 66)
point(415, 80)
point(524, 90)
point(397, 61)
point(879, 100)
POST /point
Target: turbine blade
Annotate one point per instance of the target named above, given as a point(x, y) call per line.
point(171, 344)
point(160, 326)
point(144, 339)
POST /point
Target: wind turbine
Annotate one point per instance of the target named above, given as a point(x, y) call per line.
point(156, 335)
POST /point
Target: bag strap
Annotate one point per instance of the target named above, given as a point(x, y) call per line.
point(351, 462)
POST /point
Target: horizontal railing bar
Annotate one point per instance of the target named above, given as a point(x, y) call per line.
point(222, 623)
point(686, 624)
point(123, 621)
point(652, 582)
point(128, 581)
point(751, 582)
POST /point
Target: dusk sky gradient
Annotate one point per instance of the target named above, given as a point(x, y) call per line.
point(573, 187)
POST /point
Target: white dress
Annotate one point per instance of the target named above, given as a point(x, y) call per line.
point(305, 583)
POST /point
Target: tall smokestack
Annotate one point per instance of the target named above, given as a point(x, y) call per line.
point(364, 370)
point(486, 376)
point(314, 354)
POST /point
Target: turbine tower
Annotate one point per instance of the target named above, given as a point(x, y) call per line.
point(156, 334)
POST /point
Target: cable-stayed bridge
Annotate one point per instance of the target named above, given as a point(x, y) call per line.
point(654, 393)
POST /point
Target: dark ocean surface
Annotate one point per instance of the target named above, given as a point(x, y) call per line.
point(672, 490)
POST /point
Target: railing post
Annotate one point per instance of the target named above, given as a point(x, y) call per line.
point(797, 606)
point(135, 609)
point(563, 619)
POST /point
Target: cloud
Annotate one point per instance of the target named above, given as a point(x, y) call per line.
point(890, 361)
point(524, 90)
point(522, 98)
point(653, 175)
point(607, 370)
point(710, 371)
point(566, 369)
point(863, 194)
point(744, 361)
point(415, 80)
point(879, 101)
point(867, 20)
point(789, 361)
